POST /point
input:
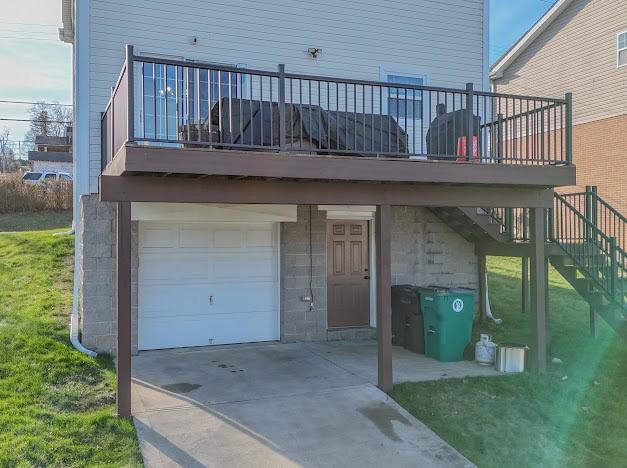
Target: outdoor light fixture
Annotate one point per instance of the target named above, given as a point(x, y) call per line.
point(314, 51)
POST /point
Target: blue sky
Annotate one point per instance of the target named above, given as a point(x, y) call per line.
point(510, 19)
point(37, 66)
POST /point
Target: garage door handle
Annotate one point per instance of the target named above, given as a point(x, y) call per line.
point(211, 300)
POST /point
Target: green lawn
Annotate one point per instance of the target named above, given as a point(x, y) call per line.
point(56, 404)
point(14, 222)
point(575, 415)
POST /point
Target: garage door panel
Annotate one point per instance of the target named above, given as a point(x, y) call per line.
point(160, 333)
point(227, 238)
point(235, 298)
point(182, 265)
point(170, 300)
point(158, 236)
point(253, 265)
point(194, 237)
point(259, 238)
point(175, 266)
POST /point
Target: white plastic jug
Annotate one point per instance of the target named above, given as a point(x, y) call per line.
point(485, 350)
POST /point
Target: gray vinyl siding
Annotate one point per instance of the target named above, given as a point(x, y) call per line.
point(576, 53)
point(442, 39)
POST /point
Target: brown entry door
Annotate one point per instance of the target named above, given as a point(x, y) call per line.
point(348, 274)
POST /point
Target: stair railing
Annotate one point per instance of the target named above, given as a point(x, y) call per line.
point(593, 251)
point(587, 228)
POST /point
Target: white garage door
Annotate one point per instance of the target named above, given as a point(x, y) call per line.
point(207, 283)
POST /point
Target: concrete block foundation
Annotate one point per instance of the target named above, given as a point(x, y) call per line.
point(425, 251)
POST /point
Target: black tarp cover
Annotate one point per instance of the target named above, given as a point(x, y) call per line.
point(446, 129)
point(253, 122)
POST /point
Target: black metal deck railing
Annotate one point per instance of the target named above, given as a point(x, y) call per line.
point(587, 228)
point(189, 104)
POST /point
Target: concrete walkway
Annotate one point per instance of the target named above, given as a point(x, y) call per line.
point(283, 405)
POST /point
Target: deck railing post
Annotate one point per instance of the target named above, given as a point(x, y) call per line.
point(130, 80)
point(569, 128)
point(613, 267)
point(590, 211)
point(499, 137)
point(282, 129)
point(470, 94)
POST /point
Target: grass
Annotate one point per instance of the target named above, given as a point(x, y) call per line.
point(56, 404)
point(575, 415)
point(17, 222)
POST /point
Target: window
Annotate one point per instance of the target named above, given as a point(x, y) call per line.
point(32, 176)
point(405, 102)
point(65, 177)
point(170, 98)
point(622, 49)
point(50, 176)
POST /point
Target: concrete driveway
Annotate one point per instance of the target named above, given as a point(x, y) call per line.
point(283, 405)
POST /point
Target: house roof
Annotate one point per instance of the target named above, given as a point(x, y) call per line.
point(496, 70)
point(52, 140)
point(50, 156)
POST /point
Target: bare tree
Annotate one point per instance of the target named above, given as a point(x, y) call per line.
point(48, 120)
point(6, 151)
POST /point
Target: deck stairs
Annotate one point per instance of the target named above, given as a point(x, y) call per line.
point(585, 242)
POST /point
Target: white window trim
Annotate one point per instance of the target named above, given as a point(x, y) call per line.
point(403, 70)
point(618, 50)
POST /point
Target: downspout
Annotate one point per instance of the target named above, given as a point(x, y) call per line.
point(74, 316)
point(488, 310)
point(80, 145)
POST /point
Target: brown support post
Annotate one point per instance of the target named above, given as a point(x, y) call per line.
point(383, 222)
point(483, 296)
point(593, 326)
point(525, 285)
point(124, 310)
point(538, 289)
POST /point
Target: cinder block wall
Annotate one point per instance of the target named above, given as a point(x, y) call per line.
point(424, 251)
point(97, 275)
point(298, 323)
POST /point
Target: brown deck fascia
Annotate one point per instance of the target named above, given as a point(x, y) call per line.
point(218, 189)
point(140, 159)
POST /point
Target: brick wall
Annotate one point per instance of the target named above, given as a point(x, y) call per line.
point(600, 153)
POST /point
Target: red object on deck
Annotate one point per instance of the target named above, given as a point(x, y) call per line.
point(461, 148)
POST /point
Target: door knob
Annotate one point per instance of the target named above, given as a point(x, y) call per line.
point(366, 277)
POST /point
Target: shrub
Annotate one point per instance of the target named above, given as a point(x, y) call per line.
point(17, 196)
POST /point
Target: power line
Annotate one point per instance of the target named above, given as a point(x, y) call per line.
point(33, 121)
point(28, 38)
point(29, 24)
point(3, 101)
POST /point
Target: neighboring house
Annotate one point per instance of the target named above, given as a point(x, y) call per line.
point(580, 46)
point(223, 198)
point(52, 153)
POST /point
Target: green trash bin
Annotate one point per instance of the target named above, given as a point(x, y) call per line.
point(448, 314)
